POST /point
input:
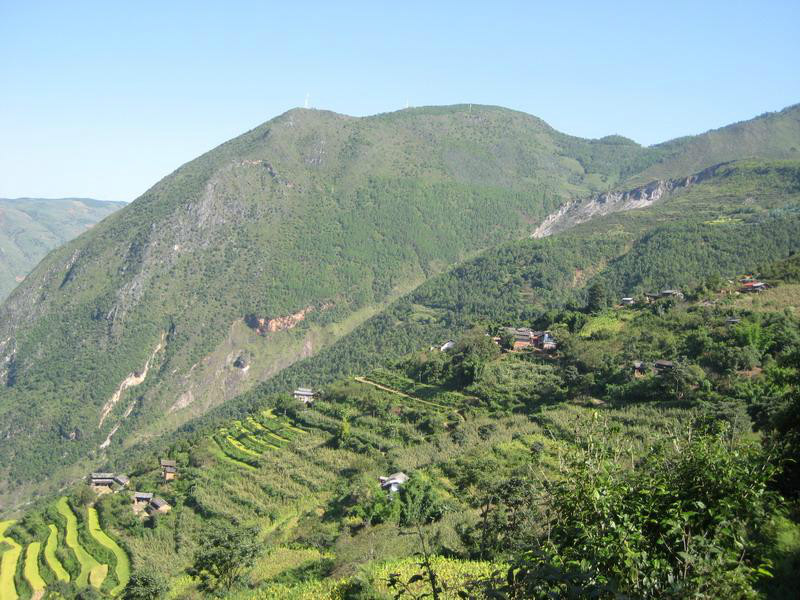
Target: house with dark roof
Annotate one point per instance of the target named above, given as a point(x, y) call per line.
point(159, 505)
point(662, 366)
point(170, 473)
point(142, 497)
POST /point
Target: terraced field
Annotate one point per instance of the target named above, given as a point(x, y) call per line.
point(8, 563)
point(246, 442)
point(50, 555)
point(31, 569)
point(123, 565)
point(91, 570)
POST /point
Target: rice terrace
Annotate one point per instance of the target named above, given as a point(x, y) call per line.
point(74, 547)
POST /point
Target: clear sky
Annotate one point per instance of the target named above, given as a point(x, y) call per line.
point(102, 99)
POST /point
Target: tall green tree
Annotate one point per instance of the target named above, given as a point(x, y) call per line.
point(225, 554)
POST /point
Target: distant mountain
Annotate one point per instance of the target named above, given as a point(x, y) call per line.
point(31, 227)
point(272, 247)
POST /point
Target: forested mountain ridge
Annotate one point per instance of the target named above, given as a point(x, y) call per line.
point(147, 320)
point(31, 227)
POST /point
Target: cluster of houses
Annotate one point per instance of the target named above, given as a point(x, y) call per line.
point(103, 483)
point(524, 338)
point(146, 501)
point(659, 367)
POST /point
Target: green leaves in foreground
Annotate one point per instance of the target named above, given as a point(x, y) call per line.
point(683, 523)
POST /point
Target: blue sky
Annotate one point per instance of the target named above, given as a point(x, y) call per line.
point(102, 99)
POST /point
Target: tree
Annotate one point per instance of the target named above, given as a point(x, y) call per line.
point(226, 551)
point(144, 586)
point(597, 298)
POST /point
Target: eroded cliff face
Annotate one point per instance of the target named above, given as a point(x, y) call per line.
point(582, 210)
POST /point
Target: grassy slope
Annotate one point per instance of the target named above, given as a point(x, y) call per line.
point(31, 227)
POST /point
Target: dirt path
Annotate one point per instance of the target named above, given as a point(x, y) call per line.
point(399, 393)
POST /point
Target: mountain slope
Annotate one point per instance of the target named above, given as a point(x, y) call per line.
point(260, 253)
point(487, 437)
point(772, 135)
point(738, 217)
point(31, 227)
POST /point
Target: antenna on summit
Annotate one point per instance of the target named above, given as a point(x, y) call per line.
point(407, 104)
point(305, 105)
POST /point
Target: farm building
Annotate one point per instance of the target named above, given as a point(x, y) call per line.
point(639, 369)
point(142, 497)
point(662, 366)
point(170, 473)
point(393, 482)
point(304, 395)
point(159, 505)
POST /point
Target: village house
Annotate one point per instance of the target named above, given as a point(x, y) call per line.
point(448, 345)
point(546, 342)
point(170, 473)
point(639, 369)
point(169, 469)
point(672, 294)
point(732, 321)
point(142, 497)
point(304, 395)
point(753, 287)
point(662, 366)
point(122, 480)
point(102, 480)
point(628, 301)
point(393, 482)
point(159, 505)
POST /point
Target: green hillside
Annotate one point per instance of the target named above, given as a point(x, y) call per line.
point(31, 227)
point(772, 135)
point(743, 217)
point(531, 473)
point(309, 224)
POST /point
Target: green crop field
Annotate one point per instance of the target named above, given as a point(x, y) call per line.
point(91, 571)
point(123, 566)
point(50, 555)
point(8, 564)
point(31, 570)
